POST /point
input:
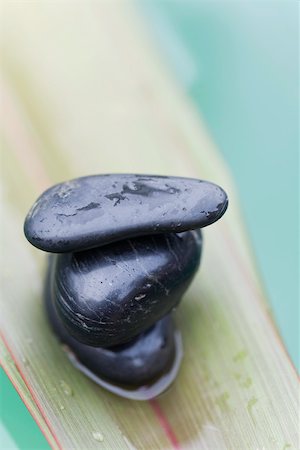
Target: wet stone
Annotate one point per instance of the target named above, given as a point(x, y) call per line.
point(107, 296)
point(96, 210)
point(127, 248)
point(137, 363)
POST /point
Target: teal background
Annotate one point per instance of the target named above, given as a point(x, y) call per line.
point(238, 61)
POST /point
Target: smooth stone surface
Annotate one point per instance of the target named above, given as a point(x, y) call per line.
point(92, 211)
point(137, 363)
point(143, 392)
point(108, 295)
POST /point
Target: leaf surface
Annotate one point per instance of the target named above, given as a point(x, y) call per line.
point(85, 92)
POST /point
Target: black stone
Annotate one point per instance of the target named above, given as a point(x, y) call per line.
point(96, 210)
point(126, 256)
point(138, 363)
point(108, 295)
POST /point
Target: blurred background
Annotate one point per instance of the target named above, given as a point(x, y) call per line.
point(239, 62)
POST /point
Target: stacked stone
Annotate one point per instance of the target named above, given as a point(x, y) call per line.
point(124, 250)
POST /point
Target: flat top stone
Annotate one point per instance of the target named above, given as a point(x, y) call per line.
point(96, 210)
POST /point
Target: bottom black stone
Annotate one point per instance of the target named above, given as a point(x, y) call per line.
point(140, 369)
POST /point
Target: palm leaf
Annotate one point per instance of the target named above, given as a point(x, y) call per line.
point(85, 92)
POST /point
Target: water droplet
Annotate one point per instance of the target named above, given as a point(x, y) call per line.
point(128, 443)
point(240, 356)
point(98, 436)
point(246, 383)
point(222, 401)
point(250, 405)
point(67, 390)
point(25, 361)
point(61, 407)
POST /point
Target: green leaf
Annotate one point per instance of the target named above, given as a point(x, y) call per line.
point(85, 92)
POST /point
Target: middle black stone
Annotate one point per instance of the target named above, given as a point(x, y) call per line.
point(108, 295)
